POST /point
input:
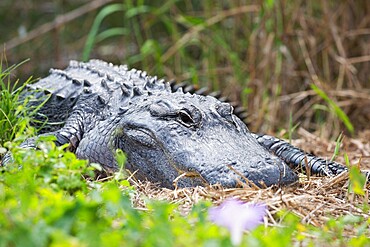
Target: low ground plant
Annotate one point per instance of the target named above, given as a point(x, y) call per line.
point(48, 197)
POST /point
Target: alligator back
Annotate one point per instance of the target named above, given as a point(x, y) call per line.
point(59, 92)
point(97, 108)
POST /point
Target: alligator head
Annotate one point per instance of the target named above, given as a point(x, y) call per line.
point(194, 140)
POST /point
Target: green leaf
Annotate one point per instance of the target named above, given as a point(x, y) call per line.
point(337, 110)
point(337, 146)
point(269, 3)
point(141, 9)
point(120, 157)
point(357, 181)
point(190, 21)
point(106, 11)
point(111, 32)
point(150, 47)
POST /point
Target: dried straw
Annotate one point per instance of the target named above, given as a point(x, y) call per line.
point(314, 200)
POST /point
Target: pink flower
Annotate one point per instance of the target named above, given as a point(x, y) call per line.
point(237, 217)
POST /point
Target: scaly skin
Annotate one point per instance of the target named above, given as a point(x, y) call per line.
point(97, 108)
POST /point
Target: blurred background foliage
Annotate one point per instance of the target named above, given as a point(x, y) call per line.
point(287, 62)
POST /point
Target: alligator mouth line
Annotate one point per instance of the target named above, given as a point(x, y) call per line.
point(189, 174)
point(246, 180)
point(158, 144)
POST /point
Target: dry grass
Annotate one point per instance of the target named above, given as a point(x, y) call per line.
point(314, 200)
point(264, 56)
point(275, 52)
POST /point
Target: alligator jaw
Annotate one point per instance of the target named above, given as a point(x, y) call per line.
point(207, 149)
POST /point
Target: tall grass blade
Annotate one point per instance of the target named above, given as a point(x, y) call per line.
point(12, 113)
point(337, 146)
point(116, 31)
point(337, 110)
point(106, 11)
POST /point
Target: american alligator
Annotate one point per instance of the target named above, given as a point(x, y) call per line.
point(166, 132)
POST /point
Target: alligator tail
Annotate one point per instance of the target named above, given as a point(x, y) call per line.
point(298, 159)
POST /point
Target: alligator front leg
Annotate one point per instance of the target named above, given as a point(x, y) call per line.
point(61, 136)
point(298, 159)
point(71, 133)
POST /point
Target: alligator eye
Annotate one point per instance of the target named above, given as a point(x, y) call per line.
point(185, 117)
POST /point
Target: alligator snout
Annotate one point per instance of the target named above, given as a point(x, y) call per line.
point(265, 172)
point(192, 140)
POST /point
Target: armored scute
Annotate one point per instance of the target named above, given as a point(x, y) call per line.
point(167, 134)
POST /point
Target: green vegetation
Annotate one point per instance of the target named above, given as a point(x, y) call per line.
point(333, 107)
point(13, 117)
point(286, 61)
point(50, 201)
point(50, 198)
